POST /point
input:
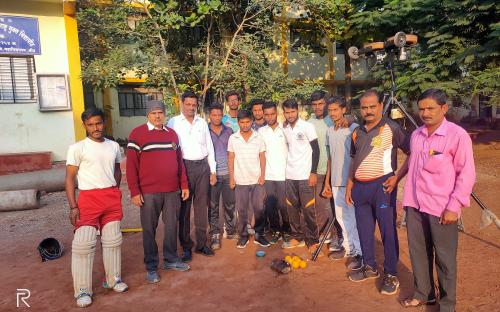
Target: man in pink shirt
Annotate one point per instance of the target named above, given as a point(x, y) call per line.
point(439, 183)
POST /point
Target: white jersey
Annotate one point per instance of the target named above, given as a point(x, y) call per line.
point(299, 160)
point(95, 161)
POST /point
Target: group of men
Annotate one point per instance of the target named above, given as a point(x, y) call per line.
point(276, 181)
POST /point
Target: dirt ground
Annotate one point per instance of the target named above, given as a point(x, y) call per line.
point(236, 280)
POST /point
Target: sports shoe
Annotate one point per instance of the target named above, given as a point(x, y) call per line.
point(261, 240)
point(356, 263)
point(337, 255)
point(390, 285)
point(275, 238)
point(232, 236)
point(119, 286)
point(215, 242)
point(328, 239)
point(292, 243)
point(178, 266)
point(83, 300)
point(365, 273)
point(152, 277)
point(335, 245)
point(242, 243)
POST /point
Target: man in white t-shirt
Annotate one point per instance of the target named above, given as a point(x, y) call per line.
point(301, 177)
point(276, 154)
point(95, 163)
point(247, 167)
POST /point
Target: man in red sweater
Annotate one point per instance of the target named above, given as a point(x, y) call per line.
point(157, 182)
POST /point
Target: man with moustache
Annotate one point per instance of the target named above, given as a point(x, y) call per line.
point(301, 178)
point(199, 160)
point(220, 136)
point(157, 181)
point(370, 187)
point(438, 186)
point(95, 163)
point(276, 155)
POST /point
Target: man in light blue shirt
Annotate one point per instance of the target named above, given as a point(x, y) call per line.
point(230, 120)
point(339, 160)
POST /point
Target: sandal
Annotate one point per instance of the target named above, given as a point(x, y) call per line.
point(408, 303)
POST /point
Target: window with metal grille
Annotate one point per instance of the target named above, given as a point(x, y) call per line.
point(17, 80)
point(132, 100)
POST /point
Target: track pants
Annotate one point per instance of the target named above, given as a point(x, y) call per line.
point(301, 203)
point(372, 205)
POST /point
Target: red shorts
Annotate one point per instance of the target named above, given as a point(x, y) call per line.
point(99, 206)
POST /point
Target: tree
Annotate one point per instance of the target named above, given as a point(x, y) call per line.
point(210, 46)
point(458, 48)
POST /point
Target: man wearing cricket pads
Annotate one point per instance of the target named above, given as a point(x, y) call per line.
point(95, 163)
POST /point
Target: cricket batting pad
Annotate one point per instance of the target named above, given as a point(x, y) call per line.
point(82, 259)
point(111, 240)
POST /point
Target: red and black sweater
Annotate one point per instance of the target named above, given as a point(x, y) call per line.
point(154, 162)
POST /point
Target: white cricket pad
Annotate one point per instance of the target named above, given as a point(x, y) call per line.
point(111, 240)
point(82, 259)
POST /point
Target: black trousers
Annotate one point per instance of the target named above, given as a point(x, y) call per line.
point(275, 206)
point(168, 205)
point(216, 191)
point(430, 241)
point(250, 197)
point(301, 204)
point(198, 174)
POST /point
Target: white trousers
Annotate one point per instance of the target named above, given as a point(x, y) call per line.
point(347, 220)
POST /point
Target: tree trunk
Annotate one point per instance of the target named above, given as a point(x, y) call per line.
point(348, 75)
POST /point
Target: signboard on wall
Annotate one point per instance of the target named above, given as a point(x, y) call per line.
point(19, 35)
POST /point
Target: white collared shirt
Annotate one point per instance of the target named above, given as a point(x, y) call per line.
point(276, 152)
point(151, 127)
point(246, 157)
point(194, 139)
point(299, 160)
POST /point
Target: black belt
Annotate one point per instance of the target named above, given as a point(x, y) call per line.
point(195, 162)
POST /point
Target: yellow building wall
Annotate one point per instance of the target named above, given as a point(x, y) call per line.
point(23, 127)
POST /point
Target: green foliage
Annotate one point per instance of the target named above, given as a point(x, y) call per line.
point(458, 47)
point(186, 44)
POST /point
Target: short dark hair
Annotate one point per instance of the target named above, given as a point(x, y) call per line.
point(371, 92)
point(291, 103)
point(242, 114)
point(92, 112)
point(215, 105)
point(269, 105)
point(188, 94)
point(254, 102)
point(337, 99)
point(436, 94)
point(231, 93)
point(317, 95)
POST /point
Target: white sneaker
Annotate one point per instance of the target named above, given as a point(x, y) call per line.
point(83, 300)
point(119, 286)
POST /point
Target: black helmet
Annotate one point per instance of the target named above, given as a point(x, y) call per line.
point(50, 249)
